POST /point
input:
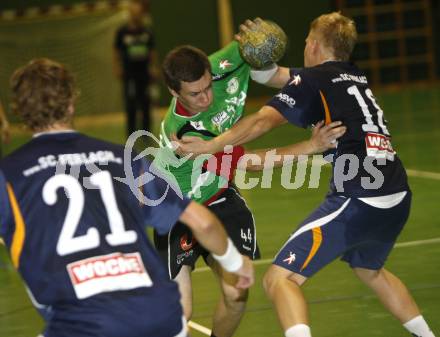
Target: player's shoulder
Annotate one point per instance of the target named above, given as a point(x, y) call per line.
point(226, 60)
point(121, 31)
point(54, 144)
point(123, 28)
point(89, 141)
point(333, 68)
point(316, 76)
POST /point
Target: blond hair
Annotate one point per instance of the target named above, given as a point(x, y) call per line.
point(337, 33)
point(42, 92)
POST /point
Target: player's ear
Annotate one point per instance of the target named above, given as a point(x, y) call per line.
point(173, 92)
point(316, 46)
point(71, 109)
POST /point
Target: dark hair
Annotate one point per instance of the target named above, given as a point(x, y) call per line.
point(184, 64)
point(42, 92)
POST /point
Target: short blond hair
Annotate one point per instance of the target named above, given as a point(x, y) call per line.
point(337, 33)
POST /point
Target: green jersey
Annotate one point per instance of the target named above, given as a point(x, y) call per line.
point(230, 79)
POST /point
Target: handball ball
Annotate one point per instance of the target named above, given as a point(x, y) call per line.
point(263, 45)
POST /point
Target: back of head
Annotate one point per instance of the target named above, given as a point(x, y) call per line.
point(184, 64)
point(42, 93)
point(337, 33)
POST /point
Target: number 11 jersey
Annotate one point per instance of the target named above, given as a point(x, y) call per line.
point(364, 162)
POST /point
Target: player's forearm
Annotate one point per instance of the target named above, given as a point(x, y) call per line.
point(249, 128)
point(280, 78)
point(269, 158)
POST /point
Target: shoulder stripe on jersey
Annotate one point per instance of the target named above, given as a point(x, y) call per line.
point(328, 118)
point(20, 231)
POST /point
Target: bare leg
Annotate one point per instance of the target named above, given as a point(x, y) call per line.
point(391, 292)
point(183, 280)
point(283, 288)
point(231, 305)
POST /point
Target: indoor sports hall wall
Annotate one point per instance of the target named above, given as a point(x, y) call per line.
point(195, 22)
point(84, 42)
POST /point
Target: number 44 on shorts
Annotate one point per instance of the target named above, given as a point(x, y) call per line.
point(246, 236)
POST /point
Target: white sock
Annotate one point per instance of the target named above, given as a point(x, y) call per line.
point(418, 327)
point(298, 330)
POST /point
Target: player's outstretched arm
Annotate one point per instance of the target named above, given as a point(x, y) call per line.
point(323, 138)
point(244, 131)
point(210, 234)
point(272, 76)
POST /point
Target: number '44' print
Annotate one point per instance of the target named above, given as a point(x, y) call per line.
point(246, 236)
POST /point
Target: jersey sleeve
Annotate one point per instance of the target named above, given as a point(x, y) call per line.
point(298, 101)
point(162, 204)
point(226, 60)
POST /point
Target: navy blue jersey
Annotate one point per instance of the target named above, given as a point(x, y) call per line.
point(364, 163)
point(76, 234)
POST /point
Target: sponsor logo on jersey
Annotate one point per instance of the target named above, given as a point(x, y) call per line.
point(289, 260)
point(224, 64)
point(185, 245)
point(296, 80)
point(198, 125)
point(232, 86)
point(379, 146)
point(220, 118)
point(289, 101)
point(106, 273)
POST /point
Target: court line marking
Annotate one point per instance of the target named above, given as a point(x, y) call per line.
point(423, 174)
point(204, 330)
point(409, 172)
point(200, 328)
point(397, 245)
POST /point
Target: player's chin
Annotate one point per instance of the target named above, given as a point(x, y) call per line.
point(204, 108)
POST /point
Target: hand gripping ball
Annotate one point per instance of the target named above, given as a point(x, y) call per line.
point(263, 44)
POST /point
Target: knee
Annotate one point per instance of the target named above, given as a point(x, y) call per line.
point(276, 277)
point(234, 296)
point(268, 282)
point(367, 276)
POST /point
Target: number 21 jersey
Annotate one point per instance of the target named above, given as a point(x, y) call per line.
point(77, 236)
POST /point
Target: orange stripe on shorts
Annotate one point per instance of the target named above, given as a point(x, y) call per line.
point(317, 240)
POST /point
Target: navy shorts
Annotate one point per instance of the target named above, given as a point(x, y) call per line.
point(360, 234)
